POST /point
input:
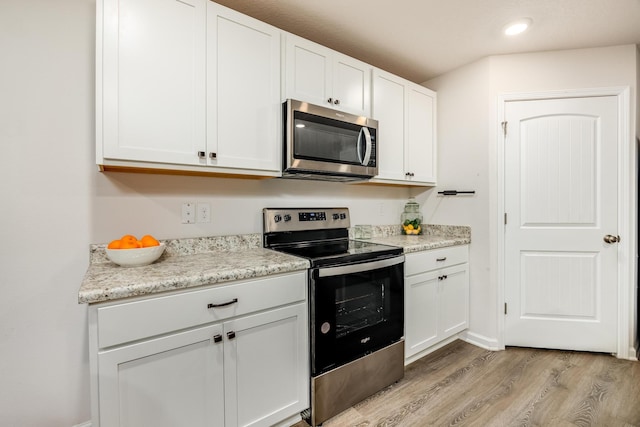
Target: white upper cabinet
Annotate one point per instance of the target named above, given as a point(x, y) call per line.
point(321, 76)
point(389, 108)
point(187, 85)
point(420, 153)
point(243, 91)
point(406, 113)
point(150, 80)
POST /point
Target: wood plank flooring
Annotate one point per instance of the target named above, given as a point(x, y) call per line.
point(463, 385)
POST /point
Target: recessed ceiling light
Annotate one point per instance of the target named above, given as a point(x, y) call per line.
point(517, 27)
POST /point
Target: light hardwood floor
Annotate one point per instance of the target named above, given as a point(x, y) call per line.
point(463, 385)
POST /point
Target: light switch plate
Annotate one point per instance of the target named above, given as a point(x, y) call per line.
point(188, 213)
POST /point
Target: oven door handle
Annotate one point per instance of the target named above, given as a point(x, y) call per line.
point(358, 268)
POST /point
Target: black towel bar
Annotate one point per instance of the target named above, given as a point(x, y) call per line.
point(455, 192)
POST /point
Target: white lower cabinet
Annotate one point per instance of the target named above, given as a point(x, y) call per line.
point(436, 298)
point(241, 370)
point(168, 381)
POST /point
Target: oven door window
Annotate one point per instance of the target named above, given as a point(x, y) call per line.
point(354, 314)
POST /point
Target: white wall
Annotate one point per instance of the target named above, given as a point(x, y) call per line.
point(467, 109)
point(54, 203)
point(463, 129)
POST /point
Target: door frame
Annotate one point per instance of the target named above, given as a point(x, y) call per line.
point(627, 214)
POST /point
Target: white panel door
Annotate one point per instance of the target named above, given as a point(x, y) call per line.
point(153, 87)
point(176, 380)
point(561, 200)
point(243, 91)
point(351, 85)
point(421, 153)
point(422, 306)
point(308, 71)
point(389, 108)
point(266, 367)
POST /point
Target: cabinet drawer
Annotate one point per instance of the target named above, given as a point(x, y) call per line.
point(125, 322)
point(419, 262)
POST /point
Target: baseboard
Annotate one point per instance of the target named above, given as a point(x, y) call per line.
point(633, 353)
point(85, 424)
point(409, 360)
point(480, 341)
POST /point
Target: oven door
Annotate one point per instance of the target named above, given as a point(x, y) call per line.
point(355, 309)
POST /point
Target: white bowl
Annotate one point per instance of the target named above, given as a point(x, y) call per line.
point(135, 257)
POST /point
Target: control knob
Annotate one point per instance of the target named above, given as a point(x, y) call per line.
point(287, 217)
point(277, 218)
point(336, 216)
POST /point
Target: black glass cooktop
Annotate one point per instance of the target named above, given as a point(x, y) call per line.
point(340, 252)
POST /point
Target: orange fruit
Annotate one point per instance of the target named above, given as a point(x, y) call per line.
point(128, 238)
point(115, 244)
point(148, 241)
point(129, 244)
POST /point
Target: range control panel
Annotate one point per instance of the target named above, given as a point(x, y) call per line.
point(299, 219)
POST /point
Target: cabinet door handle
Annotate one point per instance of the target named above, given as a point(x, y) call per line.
point(442, 277)
point(231, 335)
point(217, 338)
point(224, 304)
point(201, 154)
point(441, 259)
point(337, 102)
point(330, 100)
point(213, 155)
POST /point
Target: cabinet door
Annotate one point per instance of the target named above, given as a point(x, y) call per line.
point(421, 312)
point(421, 156)
point(389, 108)
point(267, 367)
point(243, 91)
point(170, 381)
point(151, 80)
point(351, 85)
point(454, 300)
point(308, 71)
point(321, 76)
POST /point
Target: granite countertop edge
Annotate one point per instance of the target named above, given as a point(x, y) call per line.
point(196, 262)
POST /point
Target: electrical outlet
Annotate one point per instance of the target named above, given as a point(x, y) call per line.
point(203, 212)
point(188, 213)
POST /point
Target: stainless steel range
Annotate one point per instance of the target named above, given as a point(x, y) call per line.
point(356, 306)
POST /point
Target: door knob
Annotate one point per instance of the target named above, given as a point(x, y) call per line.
point(611, 239)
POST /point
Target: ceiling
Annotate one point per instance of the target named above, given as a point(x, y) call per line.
point(421, 39)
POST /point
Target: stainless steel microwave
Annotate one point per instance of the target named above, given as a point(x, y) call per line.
point(326, 144)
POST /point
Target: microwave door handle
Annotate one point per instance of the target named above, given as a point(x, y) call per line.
point(367, 153)
point(359, 145)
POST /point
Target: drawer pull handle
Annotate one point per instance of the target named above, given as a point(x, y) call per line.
point(442, 277)
point(441, 259)
point(231, 335)
point(217, 338)
point(224, 304)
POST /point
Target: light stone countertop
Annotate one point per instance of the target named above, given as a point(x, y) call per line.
point(186, 263)
point(189, 263)
point(434, 237)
